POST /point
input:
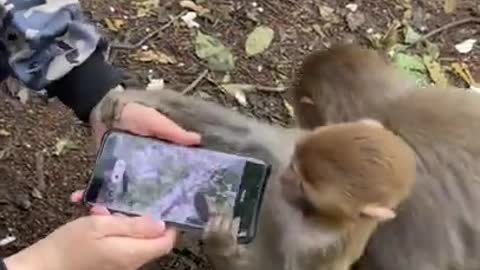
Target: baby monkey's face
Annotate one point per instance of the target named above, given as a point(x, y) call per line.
point(347, 171)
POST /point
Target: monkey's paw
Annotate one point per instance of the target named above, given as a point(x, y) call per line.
point(220, 236)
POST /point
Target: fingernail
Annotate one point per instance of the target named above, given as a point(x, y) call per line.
point(195, 137)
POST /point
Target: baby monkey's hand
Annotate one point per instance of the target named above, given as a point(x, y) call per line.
point(220, 240)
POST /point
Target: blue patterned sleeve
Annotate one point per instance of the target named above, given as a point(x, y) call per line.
point(48, 44)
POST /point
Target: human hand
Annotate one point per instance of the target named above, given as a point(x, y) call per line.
point(100, 242)
point(146, 121)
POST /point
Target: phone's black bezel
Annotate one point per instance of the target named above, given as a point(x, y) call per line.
point(247, 208)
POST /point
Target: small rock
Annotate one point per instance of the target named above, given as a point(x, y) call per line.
point(37, 194)
point(7, 240)
point(466, 46)
point(22, 202)
point(355, 20)
point(352, 7)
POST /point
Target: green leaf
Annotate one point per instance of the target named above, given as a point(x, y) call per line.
point(411, 35)
point(413, 66)
point(259, 40)
point(217, 56)
point(436, 71)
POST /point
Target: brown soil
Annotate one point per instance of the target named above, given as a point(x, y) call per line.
point(29, 211)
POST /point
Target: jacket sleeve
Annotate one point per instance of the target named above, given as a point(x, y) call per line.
point(49, 45)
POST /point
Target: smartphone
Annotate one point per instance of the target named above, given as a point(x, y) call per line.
point(180, 185)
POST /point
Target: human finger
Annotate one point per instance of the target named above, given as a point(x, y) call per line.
point(134, 227)
point(164, 128)
point(77, 196)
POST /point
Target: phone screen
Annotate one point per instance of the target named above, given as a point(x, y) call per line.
point(173, 183)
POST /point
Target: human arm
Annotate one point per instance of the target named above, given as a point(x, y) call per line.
point(100, 242)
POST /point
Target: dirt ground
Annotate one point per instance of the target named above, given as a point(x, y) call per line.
point(34, 199)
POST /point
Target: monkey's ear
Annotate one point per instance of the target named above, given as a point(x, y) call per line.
point(378, 212)
point(371, 122)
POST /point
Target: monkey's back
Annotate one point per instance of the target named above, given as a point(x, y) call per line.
point(438, 227)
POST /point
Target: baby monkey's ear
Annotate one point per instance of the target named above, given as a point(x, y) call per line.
point(379, 213)
point(371, 122)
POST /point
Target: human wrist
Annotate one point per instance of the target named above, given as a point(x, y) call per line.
point(86, 85)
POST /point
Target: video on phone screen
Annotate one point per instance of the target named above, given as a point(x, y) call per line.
point(167, 182)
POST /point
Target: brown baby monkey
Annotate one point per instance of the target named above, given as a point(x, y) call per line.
point(342, 180)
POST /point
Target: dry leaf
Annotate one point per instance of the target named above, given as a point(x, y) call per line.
point(435, 70)
point(392, 36)
point(289, 108)
point(461, 69)
point(194, 7)
point(466, 46)
point(328, 13)
point(4, 133)
point(189, 19)
point(238, 91)
point(114, 24)
point(156, 85)
point(449, 6)
point(146, 7)
point(63, 146)
point(155, 57)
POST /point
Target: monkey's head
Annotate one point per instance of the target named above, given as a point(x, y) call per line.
point(344, 83)
point(343, 172)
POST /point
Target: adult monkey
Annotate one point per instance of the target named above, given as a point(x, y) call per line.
point(438, 227)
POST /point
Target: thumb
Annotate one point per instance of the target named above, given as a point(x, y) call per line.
point(134, 227)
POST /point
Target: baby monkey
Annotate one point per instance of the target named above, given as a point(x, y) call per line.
point(342, 181)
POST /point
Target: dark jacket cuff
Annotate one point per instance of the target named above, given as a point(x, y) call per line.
point(85, 86)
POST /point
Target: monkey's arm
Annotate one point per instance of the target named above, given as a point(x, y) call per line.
point(221, 128)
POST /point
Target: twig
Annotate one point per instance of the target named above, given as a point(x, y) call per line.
point(147, 37)
point(445, 27)
point(194, 84)
point(270, 89)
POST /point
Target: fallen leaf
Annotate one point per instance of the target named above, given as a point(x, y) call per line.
point(327, 13)
point(411, 35)
point(146, 7)
point(289, 108)
point(7, 240)
point(259, 40)
point(238, 91)
point(4, 133)
point(432, 49)
point(194, 7)
point(355, 20)
point(413, 66)
point(114, 24)
point(189, 20)
point(37, 194)
point(155, 57)
point(156, 85)
point(217, 56)
point(437, 74)
point(392, 36)
point(461, 69)
point(466, 46)
point(449, 6)
point(63, 146)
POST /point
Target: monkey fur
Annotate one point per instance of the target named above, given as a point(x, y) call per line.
point(438, 227)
